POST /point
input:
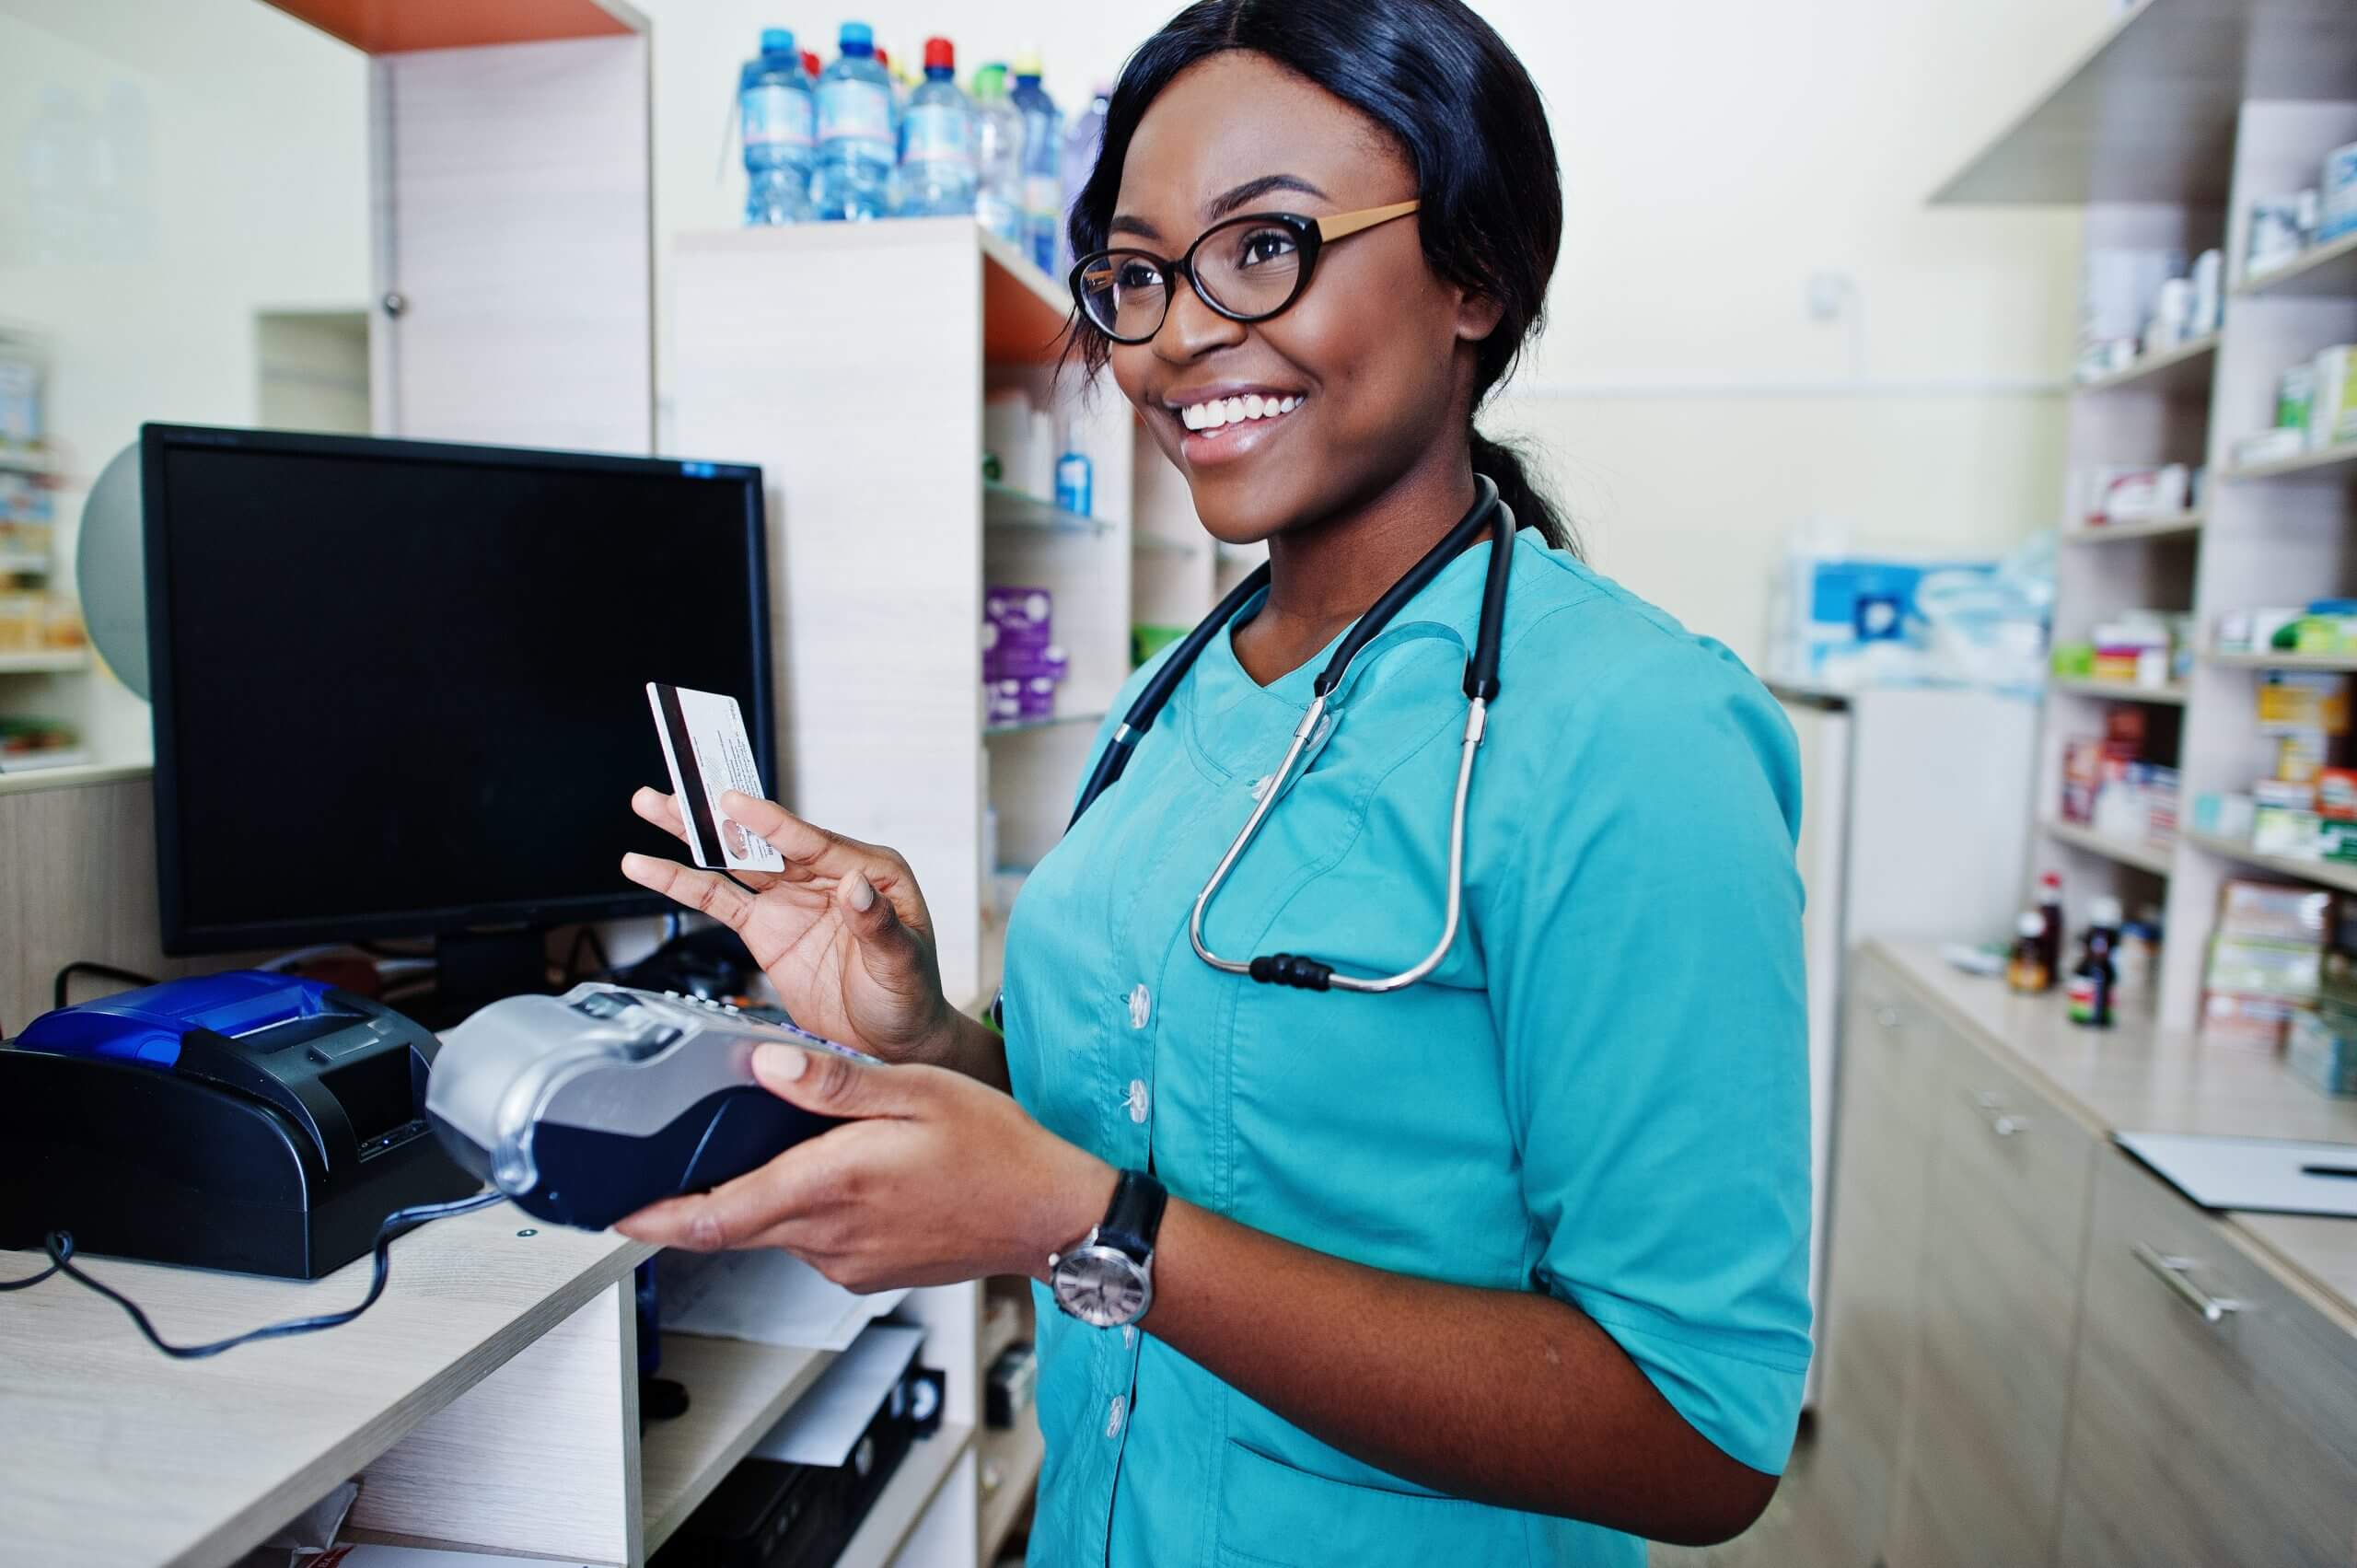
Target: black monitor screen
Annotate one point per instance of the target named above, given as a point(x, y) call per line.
point(401, 686)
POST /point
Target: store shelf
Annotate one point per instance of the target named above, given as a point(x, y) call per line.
point(736, 1391)
point(1145, 543)
point(2185, 369)
point(2276, 660)
point(2338, 455)
point(1024, 727)
point(2153, 857)
point(2329, 270)
point(2147, 113)
point(1004, 506)
point(377, 28)
point(27, 562)
point(14, 459)
point(2323, 873)
point(1025, 311)
point(1013, 1455)
point(48, 661)
point(2162, 524)
point(905, 1497)
point(2120, 691)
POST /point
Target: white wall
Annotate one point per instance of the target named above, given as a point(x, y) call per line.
point(1716, 154)
point(210, 162)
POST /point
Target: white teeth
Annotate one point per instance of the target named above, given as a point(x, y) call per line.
point(1235, 407)
point(1252, 403)
point(1192, 416)
point(1214, 415)
point(1289, 405)
point(1220, 411)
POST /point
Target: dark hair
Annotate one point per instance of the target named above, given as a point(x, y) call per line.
point(1445, 87)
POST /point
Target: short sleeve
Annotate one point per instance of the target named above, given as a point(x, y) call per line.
point(1643, 947)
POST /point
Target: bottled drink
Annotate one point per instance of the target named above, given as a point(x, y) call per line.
point(2025, 971)
point(2049, 910)
point(1075, 487)
point(774, 105)
point(937, 175)
point(1043, 171)
point(1081, 143)
point(855, 146)
point(2093, 982)
point(998, 158)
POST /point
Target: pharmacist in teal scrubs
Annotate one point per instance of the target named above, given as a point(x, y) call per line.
point(1504, 1265)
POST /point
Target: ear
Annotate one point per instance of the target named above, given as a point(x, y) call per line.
point(1477, 316)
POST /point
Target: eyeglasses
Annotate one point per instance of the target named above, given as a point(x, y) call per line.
point(1247, 269)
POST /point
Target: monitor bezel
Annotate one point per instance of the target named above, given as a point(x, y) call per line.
point(180, 933)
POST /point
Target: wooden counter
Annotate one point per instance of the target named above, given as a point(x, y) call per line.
point(485, 1399)
point(2136, 1077)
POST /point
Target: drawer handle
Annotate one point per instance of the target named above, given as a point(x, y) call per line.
point(2176, 1273)
point(1992, 1107)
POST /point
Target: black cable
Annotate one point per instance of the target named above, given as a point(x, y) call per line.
point(103, 971)
point(59, 1245)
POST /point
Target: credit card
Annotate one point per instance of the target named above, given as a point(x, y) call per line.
point(710, 753)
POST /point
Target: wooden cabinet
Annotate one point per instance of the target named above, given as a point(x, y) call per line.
point(2213, 1414)
point(2004, 1225)
point(1880, 1166)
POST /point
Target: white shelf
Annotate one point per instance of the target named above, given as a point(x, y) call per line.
point(737, 1390)
point(2320, 270)
point(2154, 857)
point(905, 1497)
point(13, 562)
point(2164, 525)
point(2120, 691)
point(1015, 1454)
point(52, 661)
point(1157, 544)
point(1004, 506)
point(1024, 727)
point(2185, 369)
point(2323, 873)
point(2274, 659)
point(15, 460)
point(2335, 455)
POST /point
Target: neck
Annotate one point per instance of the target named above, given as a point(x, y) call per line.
point(1324, 576)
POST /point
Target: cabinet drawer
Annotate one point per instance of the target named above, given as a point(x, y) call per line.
point(2213, 1414)
point(2005, 1226)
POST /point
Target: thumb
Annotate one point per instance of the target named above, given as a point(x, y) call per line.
point(829, 1085)
point(888, 950)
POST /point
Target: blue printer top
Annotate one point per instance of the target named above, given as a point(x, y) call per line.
point(147, 1025)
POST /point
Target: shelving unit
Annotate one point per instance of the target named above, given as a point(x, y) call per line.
point(2120, 692)
point(2178, 117)
point(736, 1392)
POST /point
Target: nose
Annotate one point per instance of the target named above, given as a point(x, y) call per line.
point(1192, 328)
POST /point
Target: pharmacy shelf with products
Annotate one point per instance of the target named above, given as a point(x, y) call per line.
point(913, 432)
point(43, 654)
point(2201, 648)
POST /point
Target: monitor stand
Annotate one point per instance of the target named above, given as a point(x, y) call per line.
point(479, 966)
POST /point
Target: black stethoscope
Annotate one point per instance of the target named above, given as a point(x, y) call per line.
point(1481, 691)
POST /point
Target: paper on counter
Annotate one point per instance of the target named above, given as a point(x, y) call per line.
point(827, 1422)
point(2266, 1175)
point(767, 1296)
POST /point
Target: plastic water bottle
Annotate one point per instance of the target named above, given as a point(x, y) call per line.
point(998, 158)
point(1043, 171)
point(855, 146)
point(1081, 143)
point(938, 173)
point(774, 103)
point(1076, 489)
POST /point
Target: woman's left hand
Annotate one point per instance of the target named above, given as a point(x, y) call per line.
point(933, 1177)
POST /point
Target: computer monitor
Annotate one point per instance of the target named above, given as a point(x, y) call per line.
point(399, 686)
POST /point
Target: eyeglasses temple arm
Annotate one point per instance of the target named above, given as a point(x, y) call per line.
point(1341, 225)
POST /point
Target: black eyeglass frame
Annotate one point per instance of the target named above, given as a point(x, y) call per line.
point(1311, 234)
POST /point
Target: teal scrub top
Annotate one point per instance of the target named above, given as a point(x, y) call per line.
point(1601, 1094)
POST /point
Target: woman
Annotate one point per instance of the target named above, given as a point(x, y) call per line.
point(1507, 1266)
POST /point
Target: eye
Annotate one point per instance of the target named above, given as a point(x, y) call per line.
point(1135, 274)
point(1259, 246)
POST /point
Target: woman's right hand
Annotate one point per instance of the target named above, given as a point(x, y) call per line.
point(843, 932)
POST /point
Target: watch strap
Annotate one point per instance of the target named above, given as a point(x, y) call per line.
point(1135, 1216)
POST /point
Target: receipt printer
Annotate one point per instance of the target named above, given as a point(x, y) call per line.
point(248, 1120)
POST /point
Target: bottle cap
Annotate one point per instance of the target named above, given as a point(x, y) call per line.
point(777, 40)
point(810, 63)
point(2050, 880)
point(939, 53)
point(1026, 62)
point(990, 84)
point(2104, 911)
point(857, 39)
point(883, 57)
point(2031, 923)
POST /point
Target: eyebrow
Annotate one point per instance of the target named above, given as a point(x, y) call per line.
point(1222, 205)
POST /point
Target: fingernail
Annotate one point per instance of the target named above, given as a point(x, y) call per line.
point(780, 1061)
point(860, 892)
point(633, 862)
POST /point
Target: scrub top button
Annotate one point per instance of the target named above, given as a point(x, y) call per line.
point(1139, 1099)
point(1141, 1006)
point(1260, 786)
point(1113, 1414)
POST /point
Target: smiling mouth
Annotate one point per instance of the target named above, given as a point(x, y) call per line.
point(1216, 415)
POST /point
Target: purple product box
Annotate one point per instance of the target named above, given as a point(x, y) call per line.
point(1025, 664)
point(1018, 633)
point(1039, 697)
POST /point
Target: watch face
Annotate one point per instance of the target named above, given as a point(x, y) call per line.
point(1101, 1287)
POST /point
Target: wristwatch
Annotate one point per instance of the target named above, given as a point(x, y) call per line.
point(1106, 1279)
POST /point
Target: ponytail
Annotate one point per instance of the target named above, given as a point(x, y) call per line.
point(1502, 463)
